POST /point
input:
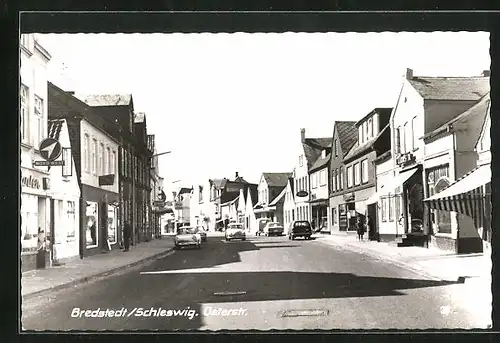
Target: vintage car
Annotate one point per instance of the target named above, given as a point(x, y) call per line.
point(187, 236)
point(235, 231)
point(300, 228)
point(273, 229)
point(202, 232)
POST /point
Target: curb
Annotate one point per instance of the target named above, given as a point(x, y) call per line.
point(385, 257)
point(106, 273)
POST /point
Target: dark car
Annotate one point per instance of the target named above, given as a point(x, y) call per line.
point(300, 228)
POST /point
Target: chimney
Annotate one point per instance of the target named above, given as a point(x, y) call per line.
point(302, 135)
point(236, 175)
point(486, 73)
point(409, 73)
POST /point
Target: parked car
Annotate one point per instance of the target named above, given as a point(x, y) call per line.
point(203, 233)
point(235, 231)
point(273, 228)
point(187, 236)
point(300, 228)
point(261, 223)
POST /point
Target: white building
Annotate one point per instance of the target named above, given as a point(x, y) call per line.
point(35, 181)
point(65, 192)
point(289, 205)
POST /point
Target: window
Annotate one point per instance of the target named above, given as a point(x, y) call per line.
point(70, 219)
point(335, 148)
point(370, 128)
point(334, 216)
point(341, 179)
point(414, 136)
point(350, 177)
point(391, 208)
point(24, 113)
point(112, 224)
point(107, 161)
point(437, 180)
point(94, 156)
point(404, 138)
point(384, 209)
point(367, 133)
point(334, 181)
point(101, 159)
point(322, 177)
point(112, 164)
point(357, 174)
point(301, 161)
point(364, 171)
point(398, 140)
point(39, 131)
point(306, 186)
point(314, 180)
point(92, 224)
point(86, 151)
point(360, 135)
point(68, 165)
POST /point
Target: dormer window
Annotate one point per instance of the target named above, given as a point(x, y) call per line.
point(301, 160)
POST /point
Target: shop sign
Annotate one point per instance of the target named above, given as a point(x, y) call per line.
point(405, 159)
point(30, 182)
point(159, 203)
point(349, 197)
point(302, 194)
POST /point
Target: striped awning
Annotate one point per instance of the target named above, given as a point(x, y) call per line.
point(465, 194)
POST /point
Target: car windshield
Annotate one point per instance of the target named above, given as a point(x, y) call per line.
point(200, 229)
point(236, 226)
point(302, 224)
point(186, 230)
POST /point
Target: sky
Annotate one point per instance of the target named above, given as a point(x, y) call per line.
point(226, 103)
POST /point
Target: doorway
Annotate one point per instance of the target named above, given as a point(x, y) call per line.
point(373, 230)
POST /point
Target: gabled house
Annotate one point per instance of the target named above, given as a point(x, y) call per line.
point(308, 152)
point(450, 153)
point(251, 199)
point(424, 104)
point(271, 196)
point(345, 135)
point(373, 140)
point(289, 205)
point(318, 176)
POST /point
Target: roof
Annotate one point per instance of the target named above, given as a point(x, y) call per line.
point(320, 162)
point(139, 117)
point(451, 88)
point(290, 180)
point(358, 149)
point(372, 112)
point(276, 179)
point(313, 148)
point(278, 198)
point(184, 190)
point(479, 109)
point(231, 202)
point(253, 189)
point(54, 128)
point(240, 180)
point(105, 99)
point(347, 133)
point(219, 183)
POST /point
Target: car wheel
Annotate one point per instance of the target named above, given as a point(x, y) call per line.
point(293, 237)
point(289, 237)
point(308, 237)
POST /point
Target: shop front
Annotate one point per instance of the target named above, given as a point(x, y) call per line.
point(319, 210)
point(347, 213)
point(36, 242)
point(100, 218)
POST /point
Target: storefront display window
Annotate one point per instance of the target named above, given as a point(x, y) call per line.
point(112, 224)
point(437, 180)
point(29, 222)
point(92, 224)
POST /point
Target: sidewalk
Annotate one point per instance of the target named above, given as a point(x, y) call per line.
point(36, 281)
point(431, 262)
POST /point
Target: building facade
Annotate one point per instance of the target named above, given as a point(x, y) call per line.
point(318, 176)
point(271, 193)
point(252, 199)
point(345, 135)
point(424, 104)
point(35, 181)
point(289, 205)
point(373, 140)
point(309, 151)
point(450, 153)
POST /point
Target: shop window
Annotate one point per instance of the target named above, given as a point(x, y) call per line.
point(384, 209)
point(437, 180)
point(397, 206)
point(112, 227)
point(390, 202)
point(71, 219)
point(334, 216)
point(364, 171)
point(92, 224)
point(29, 222)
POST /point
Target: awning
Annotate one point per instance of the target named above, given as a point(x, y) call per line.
point(464, 195)
point(391, 186)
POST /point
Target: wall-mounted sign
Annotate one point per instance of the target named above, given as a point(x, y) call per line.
point(159, 203)
point(48, 163)
point(349, 197)
point(302, 194)
point(50, 149)
point(107, 180)
point(405, 159)
point(30, 182)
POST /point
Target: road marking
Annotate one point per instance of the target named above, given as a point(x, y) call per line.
point(305, 313)
point(227, 293)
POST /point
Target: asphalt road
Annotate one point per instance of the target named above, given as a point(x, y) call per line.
point(267, 282)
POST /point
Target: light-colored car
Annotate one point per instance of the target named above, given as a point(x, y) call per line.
point(202, 232)
point(187, 236)
point(235, 231)
point(273, 229)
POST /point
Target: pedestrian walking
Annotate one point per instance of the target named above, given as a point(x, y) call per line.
point(360, 228)
point(127, 235)
point(370, 227)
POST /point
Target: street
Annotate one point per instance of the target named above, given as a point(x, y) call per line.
point(268, 282)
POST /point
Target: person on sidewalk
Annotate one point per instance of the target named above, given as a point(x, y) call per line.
point(360, 228)
point(369, 228)
point(127, 235)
